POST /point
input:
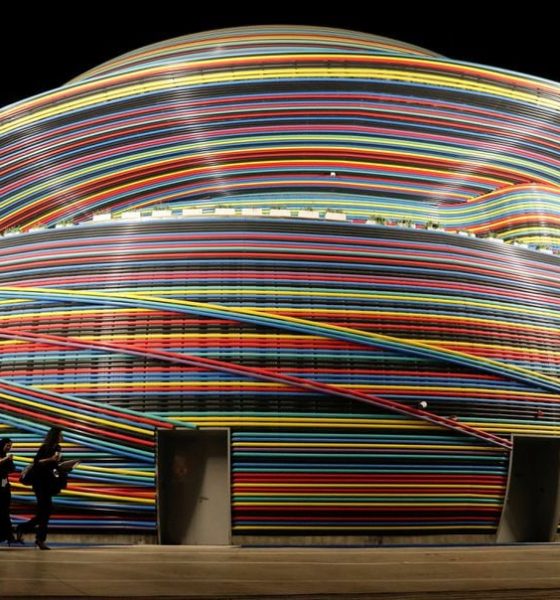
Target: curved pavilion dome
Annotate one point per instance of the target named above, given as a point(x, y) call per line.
point(290, 118)
point(371, 376)
point(239, 42)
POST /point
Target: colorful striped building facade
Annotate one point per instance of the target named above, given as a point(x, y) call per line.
point(341, 247)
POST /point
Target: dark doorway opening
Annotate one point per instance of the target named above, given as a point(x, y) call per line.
point(532, 505)
point(193, 489)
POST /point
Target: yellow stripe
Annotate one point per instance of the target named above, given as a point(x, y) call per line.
point(334, 445)
point(301, 71)
point(72, 415)
point(134, 499)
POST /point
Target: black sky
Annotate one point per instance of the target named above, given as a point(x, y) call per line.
point(44, 51)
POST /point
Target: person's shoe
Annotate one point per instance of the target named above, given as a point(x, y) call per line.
point(41, 545)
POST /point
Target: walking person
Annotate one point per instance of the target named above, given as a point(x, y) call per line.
point(6, 467)
point(46, 484)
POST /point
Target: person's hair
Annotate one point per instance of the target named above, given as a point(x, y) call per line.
point(3, 443)
point(52, 437)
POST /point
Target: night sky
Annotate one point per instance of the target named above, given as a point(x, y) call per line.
point(48, 51)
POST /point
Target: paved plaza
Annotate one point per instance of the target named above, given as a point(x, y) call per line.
point(512, 572)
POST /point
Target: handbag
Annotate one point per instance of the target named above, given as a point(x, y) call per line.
point(27, 475)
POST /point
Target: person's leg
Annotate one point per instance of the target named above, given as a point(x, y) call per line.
point(29, 525)
point(5, 525)
point(6, 531)
point(44, 510)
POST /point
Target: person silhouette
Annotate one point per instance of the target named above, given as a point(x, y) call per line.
point(6, 467)
point(46, 484)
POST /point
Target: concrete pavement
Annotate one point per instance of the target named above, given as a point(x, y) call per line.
point(522, 571)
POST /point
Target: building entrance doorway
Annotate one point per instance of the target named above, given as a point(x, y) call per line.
point(193, 489)
point(532, 505)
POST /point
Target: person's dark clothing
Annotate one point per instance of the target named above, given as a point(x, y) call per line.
point(45, 486)
point(6, 532)
point(42, 516)
point(45, 475)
